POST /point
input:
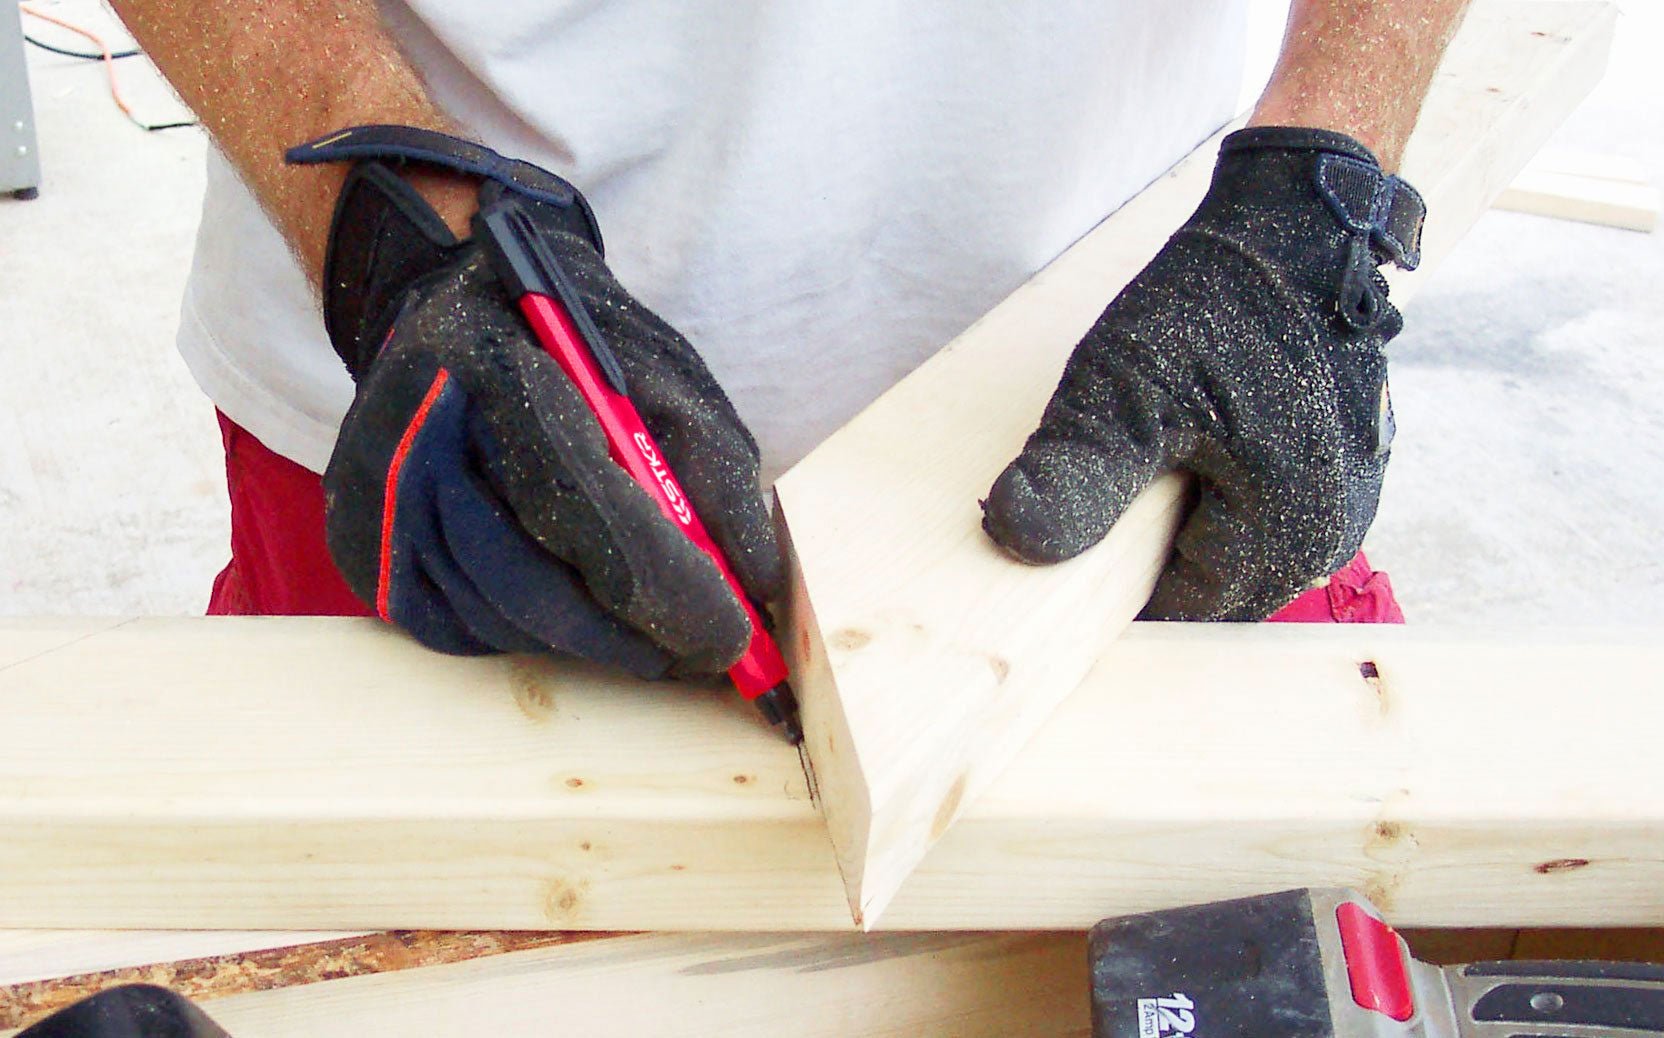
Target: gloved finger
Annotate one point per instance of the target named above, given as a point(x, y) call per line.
point(507, 591)
point(441, 608)
point(541, 599)
point(379, 513)
point(545, 455)
point(1228, 566)
point(1062, 494)
point(715, 461)
point(695, 425)
point(421, 588)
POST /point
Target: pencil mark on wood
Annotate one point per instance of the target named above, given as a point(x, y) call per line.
point(59, 648)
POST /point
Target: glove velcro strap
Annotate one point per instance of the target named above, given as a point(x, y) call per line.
point(1385, 216)
point(1369, 202)
point(430, 147)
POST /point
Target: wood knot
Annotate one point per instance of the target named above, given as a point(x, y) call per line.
point(1561, 865)
point(1390, 841)
point(849, 639)
point(1001, 668)
point(563, 900)
point(1382, 891)
point(574, 783)
point(531, 695)
point(949, 807)
point(1371, 673)
point(740, 780)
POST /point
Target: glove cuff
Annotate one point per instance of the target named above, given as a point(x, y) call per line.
point(385, 238)
point(396, 145)
point(1298, 138)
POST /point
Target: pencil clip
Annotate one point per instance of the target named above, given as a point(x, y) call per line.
point(524, 263)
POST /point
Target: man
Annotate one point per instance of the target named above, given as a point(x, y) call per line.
point(817, 195)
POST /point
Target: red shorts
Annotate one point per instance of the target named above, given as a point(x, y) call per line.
point(280, 567)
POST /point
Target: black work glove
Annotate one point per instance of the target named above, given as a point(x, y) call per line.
point(1250, 353)
point(470, 497)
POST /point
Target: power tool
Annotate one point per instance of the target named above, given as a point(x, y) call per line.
point(1322, 963)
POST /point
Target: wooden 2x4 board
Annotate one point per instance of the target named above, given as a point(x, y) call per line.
point(319, 773)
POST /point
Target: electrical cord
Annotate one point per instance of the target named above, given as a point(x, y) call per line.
point(109, 68)
point(66, 52)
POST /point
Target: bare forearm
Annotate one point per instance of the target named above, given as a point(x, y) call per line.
point(266, 75)
point(1359, 66)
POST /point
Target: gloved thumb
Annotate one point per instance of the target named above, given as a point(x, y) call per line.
point(1061, 495)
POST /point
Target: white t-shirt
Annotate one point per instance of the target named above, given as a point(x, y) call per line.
point(818, 193)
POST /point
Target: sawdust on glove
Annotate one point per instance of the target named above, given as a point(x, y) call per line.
point(1250, 352)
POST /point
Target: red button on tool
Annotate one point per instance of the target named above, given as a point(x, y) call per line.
point(1374, 963)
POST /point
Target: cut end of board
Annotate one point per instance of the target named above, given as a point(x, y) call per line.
point(833, 776)
point(894, 688)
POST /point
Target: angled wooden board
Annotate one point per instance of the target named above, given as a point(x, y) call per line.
point(924, 658)
point(836, 986)
point(309, 773)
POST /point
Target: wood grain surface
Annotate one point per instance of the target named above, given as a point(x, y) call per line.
point(289, 772)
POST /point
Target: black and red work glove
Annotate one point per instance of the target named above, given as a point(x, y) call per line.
point(1249, 352)
point(470, 497)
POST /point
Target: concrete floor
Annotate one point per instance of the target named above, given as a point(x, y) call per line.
point(1527, 480)
point(112, 492)
point(1525, 486)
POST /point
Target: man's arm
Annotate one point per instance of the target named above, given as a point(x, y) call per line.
point(266, 75)
point(1362, 67)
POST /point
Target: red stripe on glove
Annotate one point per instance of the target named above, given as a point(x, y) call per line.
point(390, 497)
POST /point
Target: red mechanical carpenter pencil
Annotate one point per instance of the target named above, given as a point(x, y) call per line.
point(563, 327)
